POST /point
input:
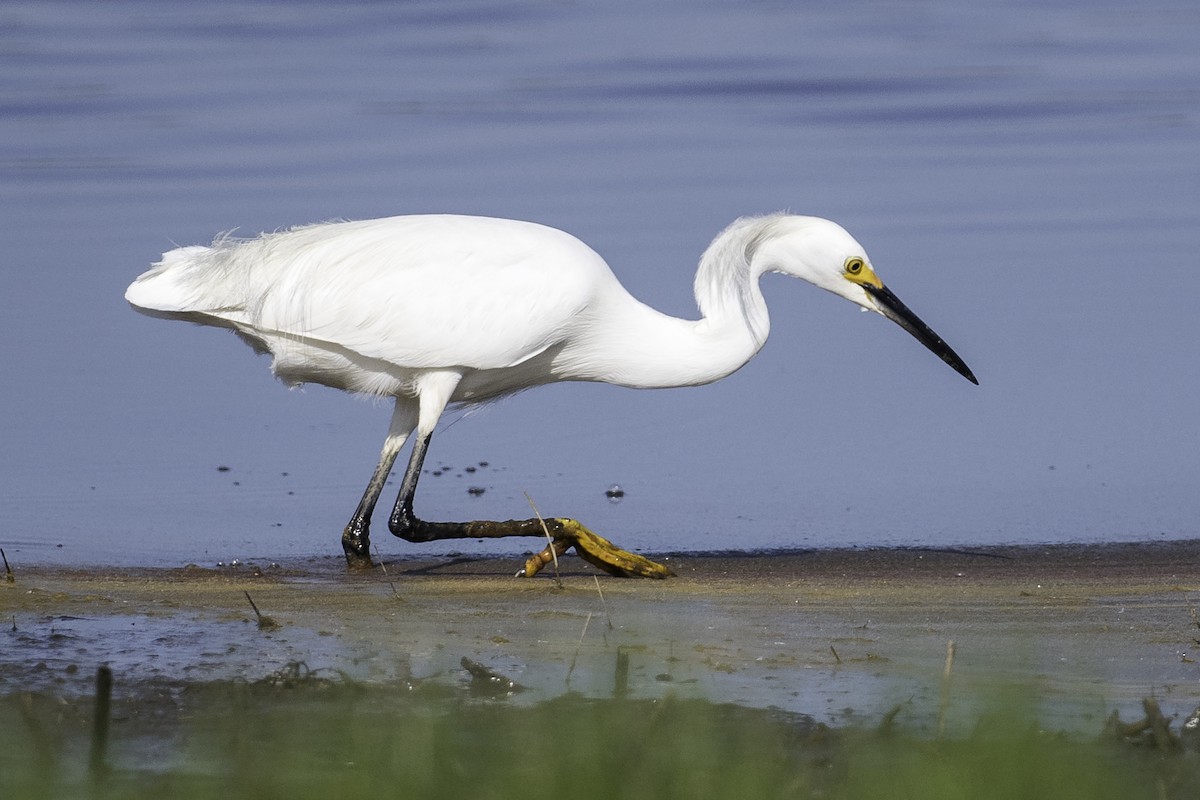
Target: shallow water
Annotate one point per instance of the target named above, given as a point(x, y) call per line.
point(1024, 177)
point(839, 636)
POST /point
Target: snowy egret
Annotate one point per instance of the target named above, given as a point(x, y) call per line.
point(435, 310)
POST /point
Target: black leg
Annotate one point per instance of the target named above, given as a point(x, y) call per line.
point(563, 533)
point(402, 517)
point(356, 537)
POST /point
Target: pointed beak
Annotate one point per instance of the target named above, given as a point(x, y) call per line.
point(890, 306)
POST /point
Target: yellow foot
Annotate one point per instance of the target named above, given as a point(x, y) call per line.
point(596, 550)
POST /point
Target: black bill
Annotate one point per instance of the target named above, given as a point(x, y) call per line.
point(897, 312)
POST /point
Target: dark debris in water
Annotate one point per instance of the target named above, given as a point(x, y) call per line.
point(1154, 730)
point(265, 623)
point(297, 675)
point(488, 682)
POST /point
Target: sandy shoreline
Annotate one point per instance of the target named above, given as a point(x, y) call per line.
point(833, 633)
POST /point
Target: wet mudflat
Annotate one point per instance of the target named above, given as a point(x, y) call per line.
point(823, 633)
point(835, 640)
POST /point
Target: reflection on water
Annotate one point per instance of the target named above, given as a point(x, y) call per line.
point(1024, 178)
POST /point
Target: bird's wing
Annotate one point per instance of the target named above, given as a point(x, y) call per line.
point(427, 292)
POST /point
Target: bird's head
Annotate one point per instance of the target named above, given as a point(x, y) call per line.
point(824, 254)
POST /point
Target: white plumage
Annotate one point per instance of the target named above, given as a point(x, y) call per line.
point(442, 309)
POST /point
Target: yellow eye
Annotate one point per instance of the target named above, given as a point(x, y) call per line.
point(854, 266)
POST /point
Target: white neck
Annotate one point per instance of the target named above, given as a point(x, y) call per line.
point(633, 345)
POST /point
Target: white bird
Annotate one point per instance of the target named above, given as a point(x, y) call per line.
point(435, 310)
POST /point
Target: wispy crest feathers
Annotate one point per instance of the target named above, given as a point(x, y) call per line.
point(724, 281)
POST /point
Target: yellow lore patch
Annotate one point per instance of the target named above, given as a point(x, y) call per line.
point(859, 271)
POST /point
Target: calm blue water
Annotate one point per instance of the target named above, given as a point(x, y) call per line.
point(1026, 177)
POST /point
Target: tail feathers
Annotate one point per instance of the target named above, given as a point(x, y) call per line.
point(174, 283)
